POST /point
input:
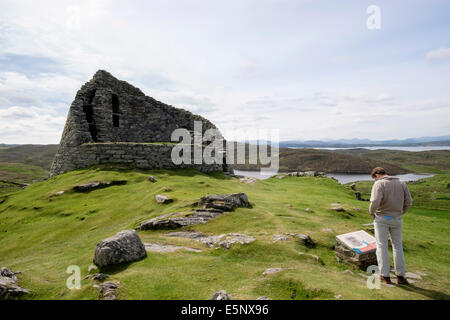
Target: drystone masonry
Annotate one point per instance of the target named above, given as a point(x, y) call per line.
point(111, 121)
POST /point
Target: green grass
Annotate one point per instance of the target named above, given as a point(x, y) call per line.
point(19, 172)
point(429, 193)
point(41, 235)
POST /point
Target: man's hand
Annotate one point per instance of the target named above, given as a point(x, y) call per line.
point(373, 216)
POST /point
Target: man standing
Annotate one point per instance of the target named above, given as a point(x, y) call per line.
point(389, 200)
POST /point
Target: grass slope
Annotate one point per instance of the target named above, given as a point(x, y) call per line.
point(435, 161)
point(321, 160)
point(42, 235)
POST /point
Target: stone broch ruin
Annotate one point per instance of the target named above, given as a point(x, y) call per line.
point(111, 121)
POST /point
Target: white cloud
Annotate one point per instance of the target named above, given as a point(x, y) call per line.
point(311, 70)
point(439, 54)
point(30, 124)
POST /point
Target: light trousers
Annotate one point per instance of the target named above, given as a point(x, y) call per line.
point(384, 227)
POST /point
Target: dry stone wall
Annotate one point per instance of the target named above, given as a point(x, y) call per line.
point(139, 155)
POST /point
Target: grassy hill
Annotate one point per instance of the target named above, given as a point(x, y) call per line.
point(323, 160)
point(436, 161)
point(26, 163)
point(41, 235)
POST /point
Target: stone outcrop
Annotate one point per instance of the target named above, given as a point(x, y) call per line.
point(125, 246)
point(9, 284)
point(88, 187)
point(108, 290)
point(111, 121)
point(157, 247)
point(225, 202)
point(220, 295)
point(212, 206)
point(163, 199)
point(225, 241)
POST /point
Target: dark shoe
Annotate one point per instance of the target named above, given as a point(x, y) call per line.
point(385, 280)
point(402, 280)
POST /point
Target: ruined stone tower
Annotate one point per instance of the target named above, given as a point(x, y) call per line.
point(111, 121)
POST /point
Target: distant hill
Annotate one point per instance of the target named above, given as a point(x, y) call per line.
point(36, 155)
point(435, 161)
point(326, 161)
point(346, 143)
point(26, 163)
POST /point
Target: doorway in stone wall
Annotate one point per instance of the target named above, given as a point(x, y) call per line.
point(89, 113)
point(115, 111)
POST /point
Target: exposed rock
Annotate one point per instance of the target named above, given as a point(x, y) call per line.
point(263, 298)
point(125, 246)
point(152, 179)
point(5, 272)
point(163, 199)
point(350, 272)
point(92, 268)
point(359, 197)
point(178, 220)
point(97, 276)
point(57, 194)
point(246, 179)
point(225, 202)
point(280, 237)
point(220, 295)
point(224, 240)
point(272, 271)
point(353, 186)
point(311, 257)
point(231, 238)
point(9, 284)
point(157, 247)
point(187, 234)
point(309, 210)
point(212, 207)
point(107, 290)
point(338, 209)
point(88, 187)
point(304, 238)
point(412, 275)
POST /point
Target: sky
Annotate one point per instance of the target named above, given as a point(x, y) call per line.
point(308, 69)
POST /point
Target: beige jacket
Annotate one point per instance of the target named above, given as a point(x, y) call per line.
point(390, 197)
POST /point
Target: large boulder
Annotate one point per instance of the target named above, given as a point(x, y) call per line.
point(163, 199)
point(88, 187)
point(125, 246)
point(225, 202)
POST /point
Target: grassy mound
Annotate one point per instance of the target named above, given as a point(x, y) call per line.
point(42, 233)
